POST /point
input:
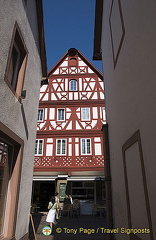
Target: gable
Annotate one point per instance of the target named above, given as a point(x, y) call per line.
point(73, 62)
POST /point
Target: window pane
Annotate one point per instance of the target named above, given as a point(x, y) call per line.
point(40, 146)
point(88, 146)
point(15, 66)
point(40, 114)
point(60, 114)
point(83, 146)
point(73, 85)
point(85, 114)
point(63, 146)
point(36, 146)
point(58, 146)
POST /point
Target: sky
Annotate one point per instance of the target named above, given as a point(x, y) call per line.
point(69, 24)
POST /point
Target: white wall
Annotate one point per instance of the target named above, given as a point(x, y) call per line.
point(130, 95)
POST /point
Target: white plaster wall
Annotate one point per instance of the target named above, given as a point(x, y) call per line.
point(139, 218)
point(97, 148)
point(130, 97)
point(11, 114)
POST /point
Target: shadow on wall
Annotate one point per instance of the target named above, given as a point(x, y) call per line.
point(24, 121)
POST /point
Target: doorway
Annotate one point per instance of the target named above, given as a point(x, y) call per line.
point(41, 193)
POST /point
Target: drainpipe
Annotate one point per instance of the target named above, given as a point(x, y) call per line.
point(107, 173)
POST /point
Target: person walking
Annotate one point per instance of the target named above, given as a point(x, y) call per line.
point(58, 206)
point(52, 211)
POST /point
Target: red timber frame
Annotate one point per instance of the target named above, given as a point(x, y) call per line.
point(87, 96)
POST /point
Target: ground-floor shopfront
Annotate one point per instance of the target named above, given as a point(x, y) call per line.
point(87, 189)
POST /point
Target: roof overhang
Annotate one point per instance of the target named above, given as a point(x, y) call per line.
point(42, 47)
point(72, 178)
point(98, 30)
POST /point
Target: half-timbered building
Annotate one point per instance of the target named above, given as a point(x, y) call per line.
point(69, 139)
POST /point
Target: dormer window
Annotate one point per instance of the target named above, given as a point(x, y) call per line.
point(73, 85)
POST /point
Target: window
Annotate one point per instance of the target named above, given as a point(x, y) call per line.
point(61, 114)
point(85, 114)
point(61, 146)
point(73, 85)
point(40, 114)
point(85, 146)
point(39, 147)
point(16, 65)
point(73, 62)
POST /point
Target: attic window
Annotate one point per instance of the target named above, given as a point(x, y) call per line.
point(73, 62)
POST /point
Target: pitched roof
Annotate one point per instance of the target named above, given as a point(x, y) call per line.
point(72, 52)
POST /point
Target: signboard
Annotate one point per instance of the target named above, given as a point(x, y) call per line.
point(62, 190)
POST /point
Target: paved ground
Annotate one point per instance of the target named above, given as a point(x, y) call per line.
point(70, 228)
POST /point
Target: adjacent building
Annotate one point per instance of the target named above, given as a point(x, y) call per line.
point(22, 66)
point(69, 144)
point(125, 37)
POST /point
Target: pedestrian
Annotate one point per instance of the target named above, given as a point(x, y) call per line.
point(52, 211)
point(71, 200)
point(58, 206)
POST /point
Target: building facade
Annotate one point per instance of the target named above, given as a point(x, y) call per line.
point(22, 52)
point(125, 34)
point(69, 140)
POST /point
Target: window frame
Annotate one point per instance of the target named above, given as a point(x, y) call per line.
point(14, 77)
point(82, 116)
point(40, 120)
point(61, 147)
point(37, 148)
point(71, 86)
point(86, 152)
point(16, 145)
point(61, 120)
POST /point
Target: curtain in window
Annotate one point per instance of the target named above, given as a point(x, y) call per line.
point(83, 146)
point(60, 114)
point(58, 146)
point(40, 114)
point(39, 147)
point(73, 85)
point(85, 114)
point(86, 146)
point(61, 146)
